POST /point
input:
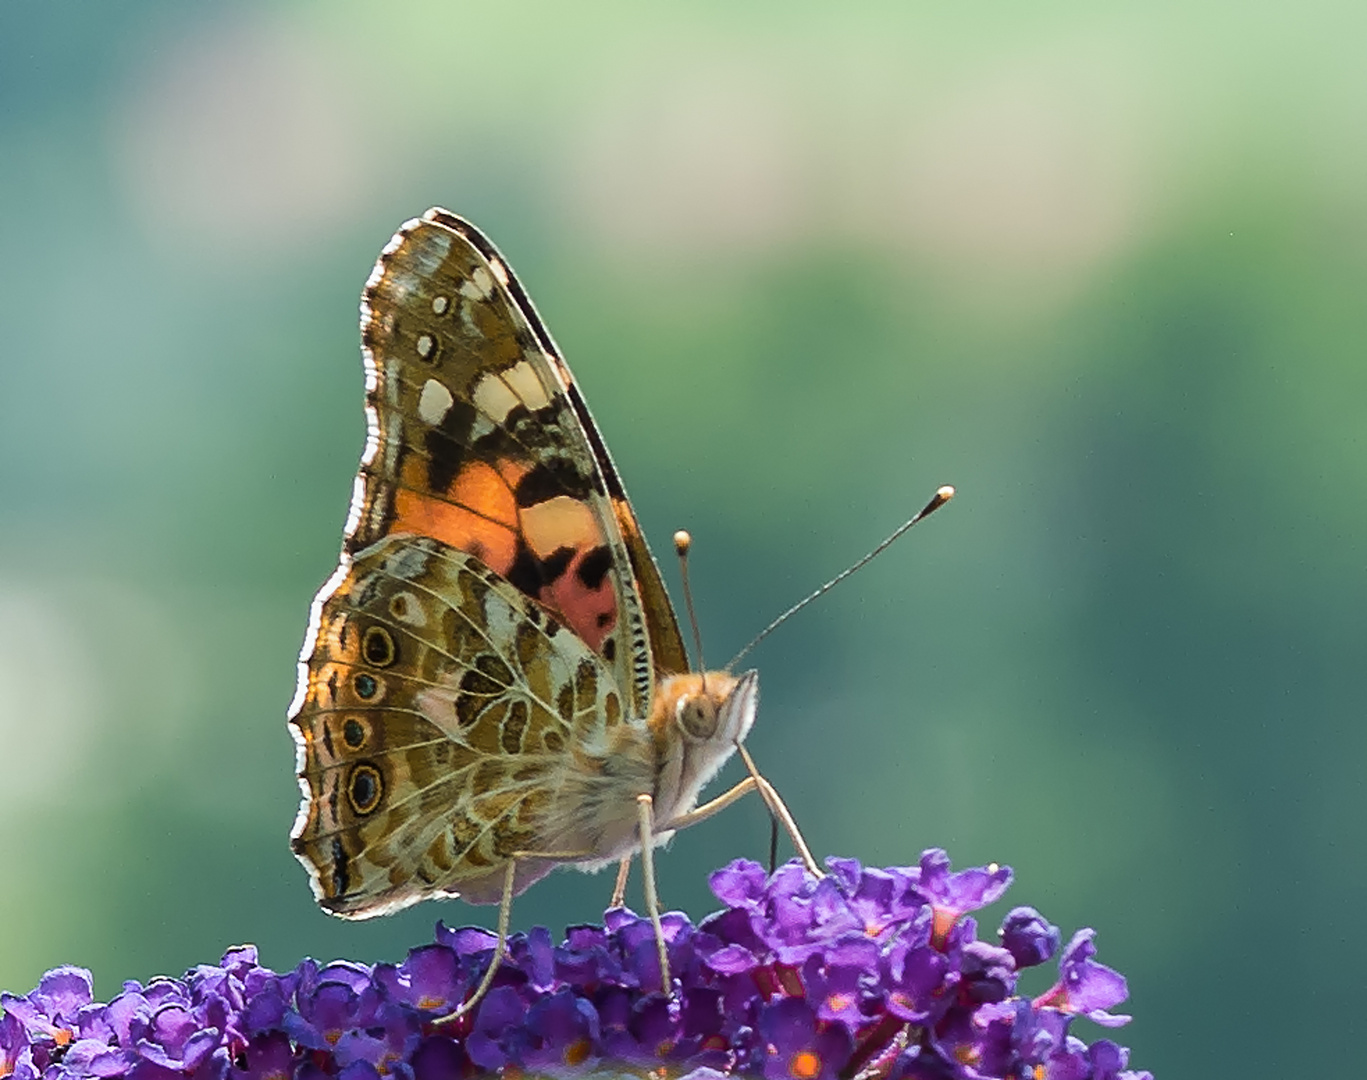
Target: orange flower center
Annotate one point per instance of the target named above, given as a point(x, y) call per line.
point(577, 1052)
point(942, 923)
point(805, 1065)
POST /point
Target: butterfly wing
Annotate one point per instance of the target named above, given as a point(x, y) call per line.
point(497, 618)
point(440, 707)
point(480, 438)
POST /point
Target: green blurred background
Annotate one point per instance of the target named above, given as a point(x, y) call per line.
point(1103, 267)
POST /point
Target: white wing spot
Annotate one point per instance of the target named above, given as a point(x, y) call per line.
point(500, 271)
point(440, 304)
point(479, 286)
point(425, 345)
point(522, 378)
point(494, 399)
point(434, 402)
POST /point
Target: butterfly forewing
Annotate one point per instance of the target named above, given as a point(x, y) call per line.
point(663, 637)
point(481, 440)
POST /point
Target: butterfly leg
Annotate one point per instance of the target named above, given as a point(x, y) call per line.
point(645, 815)
point(505, 910)
point(715, 806)
point(619, 891)
point(777, 807)
point(753, 782)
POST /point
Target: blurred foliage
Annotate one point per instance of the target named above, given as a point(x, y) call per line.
point(1102, 269)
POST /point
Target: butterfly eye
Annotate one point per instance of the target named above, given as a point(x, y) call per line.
point(697, 716)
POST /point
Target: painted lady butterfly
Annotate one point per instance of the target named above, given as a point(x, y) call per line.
point(493, 682)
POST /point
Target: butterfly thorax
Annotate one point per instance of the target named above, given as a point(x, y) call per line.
point(695, 722)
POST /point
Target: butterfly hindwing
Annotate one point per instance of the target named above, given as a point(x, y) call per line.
point(438, 711)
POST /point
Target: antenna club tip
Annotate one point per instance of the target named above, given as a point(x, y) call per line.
point(945, 493)
point(682, 542)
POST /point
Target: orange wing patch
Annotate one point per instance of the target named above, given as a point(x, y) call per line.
point(554, 550)
point(477, 513)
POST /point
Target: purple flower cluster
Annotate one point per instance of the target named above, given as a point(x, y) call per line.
point(864, 975)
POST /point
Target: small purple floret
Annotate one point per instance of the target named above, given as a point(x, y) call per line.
point(876, 973)
point(1086, 988)
point(1028, 936)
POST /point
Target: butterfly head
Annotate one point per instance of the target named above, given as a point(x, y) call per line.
point(716, 707)
point(698, 721)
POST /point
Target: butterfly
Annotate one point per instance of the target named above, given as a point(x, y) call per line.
point(493, 682)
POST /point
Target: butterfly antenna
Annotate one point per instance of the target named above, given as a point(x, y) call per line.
point(682, 543)
point(941, 497)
